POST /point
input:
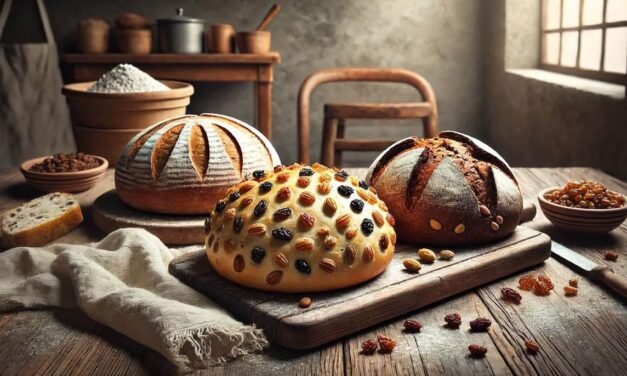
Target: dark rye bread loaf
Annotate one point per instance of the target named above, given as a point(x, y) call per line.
point(447, 191)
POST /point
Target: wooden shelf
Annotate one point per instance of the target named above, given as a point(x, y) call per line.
point(269, 58)
point(255, 68)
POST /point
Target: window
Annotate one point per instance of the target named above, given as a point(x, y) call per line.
point(585, 38)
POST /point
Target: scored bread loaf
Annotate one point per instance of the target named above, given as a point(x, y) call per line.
point(185, 164)
point(299, 229)
point(448, 190)
point(40, 221)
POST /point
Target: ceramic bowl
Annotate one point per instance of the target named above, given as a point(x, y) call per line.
point(581, 220)
point(75, 181)
point(125, 110)
point(253, 42)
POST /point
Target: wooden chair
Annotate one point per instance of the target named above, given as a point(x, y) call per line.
point(335, 114)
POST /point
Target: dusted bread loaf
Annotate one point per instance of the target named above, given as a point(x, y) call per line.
point(448, 190)
point(185, 164)
point(299, 229)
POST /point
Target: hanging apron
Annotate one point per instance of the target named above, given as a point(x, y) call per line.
point(34, 117)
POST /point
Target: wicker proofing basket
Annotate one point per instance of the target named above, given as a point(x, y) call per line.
point(116, 118)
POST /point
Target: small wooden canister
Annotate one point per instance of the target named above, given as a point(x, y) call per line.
point(92, 36)
point(221, 39)
point(133, 41)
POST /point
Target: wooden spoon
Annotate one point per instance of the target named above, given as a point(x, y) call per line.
point(269, 16)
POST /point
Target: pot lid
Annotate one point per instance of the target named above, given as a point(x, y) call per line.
point(181, 18)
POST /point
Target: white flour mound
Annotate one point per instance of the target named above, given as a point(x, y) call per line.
point(126, 78)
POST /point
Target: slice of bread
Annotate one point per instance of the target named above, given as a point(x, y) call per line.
point(40, 221)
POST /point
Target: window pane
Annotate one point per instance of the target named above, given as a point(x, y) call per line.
point(590, 55)
point(592, 12)
point(616, 10)
point(551, 48)
point(569, 48)
point(570, 17)
point(552, 14)
point(616, 50)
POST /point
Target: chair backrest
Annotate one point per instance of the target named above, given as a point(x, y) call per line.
point(360, 74)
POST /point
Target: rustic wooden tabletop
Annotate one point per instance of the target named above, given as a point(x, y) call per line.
point(586, 334)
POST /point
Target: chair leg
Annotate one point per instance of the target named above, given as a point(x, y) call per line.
point(329, 129)
point(341, 129)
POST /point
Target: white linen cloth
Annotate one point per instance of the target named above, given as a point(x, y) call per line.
point(123, 282)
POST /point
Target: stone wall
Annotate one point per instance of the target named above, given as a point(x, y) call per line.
point(439, 39)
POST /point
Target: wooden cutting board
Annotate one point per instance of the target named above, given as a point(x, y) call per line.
point(110, 214)
point(395, 292)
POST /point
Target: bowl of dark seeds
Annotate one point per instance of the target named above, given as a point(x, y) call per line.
point(73, 172)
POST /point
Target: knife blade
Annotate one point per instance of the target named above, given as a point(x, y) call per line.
point(599, 273)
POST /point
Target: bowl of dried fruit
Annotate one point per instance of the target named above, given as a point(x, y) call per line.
point(584, 206)
point(74, 172)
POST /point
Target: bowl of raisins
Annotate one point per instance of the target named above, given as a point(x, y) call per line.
point(584, 206)
point(73, 172)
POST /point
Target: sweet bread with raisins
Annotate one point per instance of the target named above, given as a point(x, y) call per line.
point(300, 229)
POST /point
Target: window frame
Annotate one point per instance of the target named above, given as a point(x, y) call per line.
point(617, 78)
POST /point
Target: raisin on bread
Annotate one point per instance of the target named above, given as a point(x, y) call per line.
point(185, 164)
point(299, 229)
point(40, 221)
point(449, 190)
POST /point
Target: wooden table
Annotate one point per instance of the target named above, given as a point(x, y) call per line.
point(255, 68)
point(586, 334)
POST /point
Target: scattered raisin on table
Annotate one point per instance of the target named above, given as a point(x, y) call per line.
point(532, 346)
point(526, 282)
point(386, 343)
point(369, 347)
point(477, 351)
point(611, 256)
point(453, 320)
point(546, 280)
point(511, 295)
point(412, 326)
point(570, 291)
point(480, 324)
point(540, 288)
point(573, 282)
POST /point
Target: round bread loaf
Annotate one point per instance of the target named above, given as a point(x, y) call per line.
point(299, 229)
point(185, 164)
point(448, 190)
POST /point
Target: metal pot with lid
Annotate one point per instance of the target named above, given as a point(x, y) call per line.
point(180, 34)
